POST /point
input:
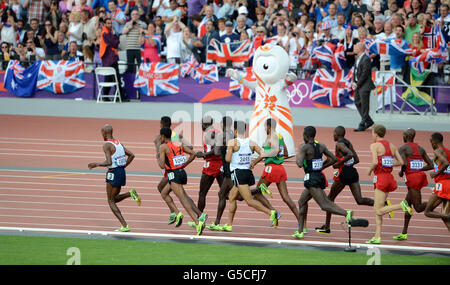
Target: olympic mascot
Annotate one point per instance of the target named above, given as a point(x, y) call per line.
point(270, 67)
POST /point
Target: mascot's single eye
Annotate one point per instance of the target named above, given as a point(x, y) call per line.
point(265, 66)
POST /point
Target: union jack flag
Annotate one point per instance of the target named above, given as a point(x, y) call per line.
point(239, 89)
point(332, 87)
point(206, 73)
point(237, 52)
point(61, 76)
point(187, 68)
point(330, 55)
point(156, 79)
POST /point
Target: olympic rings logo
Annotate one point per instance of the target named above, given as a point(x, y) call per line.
point(300, 90)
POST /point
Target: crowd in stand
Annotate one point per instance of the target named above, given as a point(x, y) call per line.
point(102, 31)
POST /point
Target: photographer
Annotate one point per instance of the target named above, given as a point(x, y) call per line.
point(5, 54)
point(296, 43)
point(133, 29)
point(34, 53)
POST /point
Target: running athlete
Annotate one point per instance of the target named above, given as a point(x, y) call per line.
point(227, 184)
point(172, 158)
point(310, 158)
point(384, 157)
point(117, 159)
point(163, 186)
point(414, 157)
point(441, 175)
point(345, 175)
point(213, 162)
point(274, 153)
point(239, 155)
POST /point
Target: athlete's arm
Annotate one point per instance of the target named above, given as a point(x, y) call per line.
point(191, 153)
point(274, 145)
point(444, 162)
point(230, 150)
point(355, 155)
point(301, 153)
point(108, 152)
point(398, 160)
point(331, 158)
point(157, 143)
point(209, 140)
point(218, 144)
point(340, 147)
point(402, 152)
point(130, 156)
point(162, 156)
point(255, 148)
point(426, 158)
point(373, 150)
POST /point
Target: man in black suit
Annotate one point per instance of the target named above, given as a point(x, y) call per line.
point(362, 84)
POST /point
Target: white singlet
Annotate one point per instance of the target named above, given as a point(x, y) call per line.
point(118, 158)
point(242, 158)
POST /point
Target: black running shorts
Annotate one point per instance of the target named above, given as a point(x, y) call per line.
point(315, 180)
point(177, 176)
point(242, 177)
point(348, 175)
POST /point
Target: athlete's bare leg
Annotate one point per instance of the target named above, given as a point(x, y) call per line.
point(335, 190)
point(206, 182)
point(259, 196)
point(225, 189)
point(112, 192)
point(381, 210)
point(282, 188)
point(164, 190)
point(244, 190)
point(414, 199)
point(192, 210)
point(303, 208)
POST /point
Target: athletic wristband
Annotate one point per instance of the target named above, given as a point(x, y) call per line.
point(240, 79)
point(288, 82)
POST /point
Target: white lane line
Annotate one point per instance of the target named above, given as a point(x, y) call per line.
point(231, 239)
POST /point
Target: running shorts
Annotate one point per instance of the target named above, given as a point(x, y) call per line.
point(442, 189)
point(116, 176)
point(384, 182)
point(348, 175)
point(416, 180)
point(177, 176)
point(212, 168)
point(315, 180)
point(242, 177)
point(274, 173)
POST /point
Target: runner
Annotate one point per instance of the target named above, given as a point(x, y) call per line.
point(309, 157)
point(413, 156)
point(117, 159)
point(227, 184)
point(274, 153)
point(163, 186)
point(239, 155)
point(346, 175)
point(172, 158)
point(384, 157)
point(441, 175)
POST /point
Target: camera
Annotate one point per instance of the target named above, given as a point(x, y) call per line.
point(29, 49)
point(294, 34)
point(101, 20)
point(134, 23)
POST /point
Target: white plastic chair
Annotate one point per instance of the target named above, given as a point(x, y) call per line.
point(107, 71)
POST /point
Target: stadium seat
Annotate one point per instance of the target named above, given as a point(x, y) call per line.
point(107, 71)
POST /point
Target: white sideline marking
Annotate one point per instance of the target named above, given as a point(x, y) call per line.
point(234, 239)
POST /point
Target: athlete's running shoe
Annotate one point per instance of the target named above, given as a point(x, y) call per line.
point(123, 229)
point(323, 230)
point(298, 235)
point(401, 237)
point(134, 196)
point(406, 207)
point(278, 217)
point(200, 227)
point(274, 218)
point(213, 227)
point(172, 218)
point(349, 216)
point(391, 213)
point(265, 190)
point(192, 224)
point(226, 228)
point(374, 240)
point(203, 217)
point(305, 230)
point(179, 219)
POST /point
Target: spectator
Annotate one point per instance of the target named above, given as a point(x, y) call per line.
point(387, 35)
point(378, 27)
point(283, 38)
point(138, 6)
point(187, 48)
point(368, 22)
point(5, 54)
point(88, 26)
point(121, 4)
point(49, 40)
point(109, 44)
point(21, 30)
point(34, 53)
point(411, 26)
point(82, 5)
point(230, 36)
point(260, 37)
point(73, 53)
point(117, 16)
point(377, 14)
point(431, 8)
point(398, 62)
point(211, 34)
point(359, 7)
point(36, 9)
point(65, 5)
point(16, 7)
point(100, 3)
point(396, 20)
point(9, 29)
point(241, 26)
point(54, 15)
point(349, 43)
point(339, 31)
point(221, 27)
point(63, 44)
point(133, 29)
point(227, 9)
point(332, 17)
point(321, 10)
point(392, 8)
point(33, 32)
point(98, 38)
point(416, 7)
point(183, 7)
point(346, 9)
point(417, 44)
point(75, 31)
point(295, 45)
point(243, 11)
point(305, 55)
point(159, 6)
point(209, 15)
point(172, 13)
point(174, 37)
point(444, 20)
point(21, 54)
point(358, 21)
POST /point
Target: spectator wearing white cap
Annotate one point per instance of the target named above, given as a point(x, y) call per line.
point(244, 11)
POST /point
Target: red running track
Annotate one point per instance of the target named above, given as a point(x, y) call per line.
point(45, 183)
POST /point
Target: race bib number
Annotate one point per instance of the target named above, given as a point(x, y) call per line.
point(221, 168)
point(336, 173)
point(121, 160)
point(317, 164)
point(281, 153)
point(416, 164)
point(387, 161)
point(206, 164)
point(306, 177)
point(349, 162)
point(110, 176)
point(245, 158)
point(268, 169)
point(438, 187)
point(375, 179)
point(179, 160)
point(447, 170)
